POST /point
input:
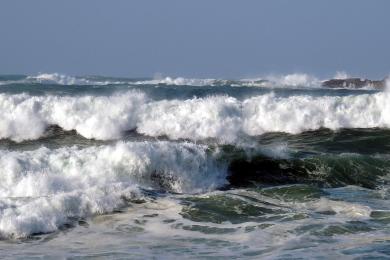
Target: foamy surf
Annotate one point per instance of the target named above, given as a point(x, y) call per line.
point(263, 167)
point(224, 118)
point(42, 190)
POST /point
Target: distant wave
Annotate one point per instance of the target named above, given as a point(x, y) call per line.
point(58, 79)
point(295, 80)
point(221, 117)
point(178, 81)
point(289, 80)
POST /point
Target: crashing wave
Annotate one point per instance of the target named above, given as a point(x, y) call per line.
point(44, 189)
point(224, 118)
point(296, 80)
point(27, 117)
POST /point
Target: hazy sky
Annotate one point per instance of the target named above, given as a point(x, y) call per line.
point(202, 38)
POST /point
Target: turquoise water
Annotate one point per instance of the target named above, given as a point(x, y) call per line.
point(106, 167)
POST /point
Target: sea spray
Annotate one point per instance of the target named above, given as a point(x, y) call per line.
point(221, 117)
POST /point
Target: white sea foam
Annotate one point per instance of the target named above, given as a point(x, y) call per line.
point(211, 117)
point(62, 79)
point(26, 117)
point(56, 78)
point(42, 190)
point(289, 80)
point(341, 75)
point(340, 208)
point(387, 85)
point(222, 117)
point(177, 81)
point(294, 80)
point(227, 118)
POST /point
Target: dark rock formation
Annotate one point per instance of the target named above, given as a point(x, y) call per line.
point(354, 83)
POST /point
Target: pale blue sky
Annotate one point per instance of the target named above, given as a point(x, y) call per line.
point(202, 38)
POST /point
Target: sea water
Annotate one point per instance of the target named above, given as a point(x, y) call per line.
point(192, 168)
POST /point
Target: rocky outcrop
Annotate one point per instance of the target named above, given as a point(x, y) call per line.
point(354, 83)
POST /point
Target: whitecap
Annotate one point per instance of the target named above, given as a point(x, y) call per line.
point(43, 189)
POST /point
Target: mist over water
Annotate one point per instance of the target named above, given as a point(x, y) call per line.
point(275, 167)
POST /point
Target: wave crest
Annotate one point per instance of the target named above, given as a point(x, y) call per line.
point(56, 78)
point(44, 189)
point(224, 118)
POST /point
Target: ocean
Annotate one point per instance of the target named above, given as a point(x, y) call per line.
point(175, 168)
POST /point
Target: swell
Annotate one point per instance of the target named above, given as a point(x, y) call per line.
point(370, 172)
point(224, 118)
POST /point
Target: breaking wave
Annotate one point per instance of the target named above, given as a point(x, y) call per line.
point(56, 78)
point(289, 80)
point(26, 117)
point(278, 159)
point(44, 189)
point(224, 118)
